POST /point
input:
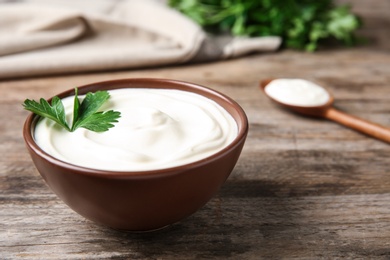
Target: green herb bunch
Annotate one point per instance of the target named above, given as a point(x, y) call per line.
point(85, 113)
point(302, 24)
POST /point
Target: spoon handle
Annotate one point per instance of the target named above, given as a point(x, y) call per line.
point(366, 127)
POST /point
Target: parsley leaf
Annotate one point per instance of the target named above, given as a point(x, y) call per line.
point(85, 114)
point(89, 106)
point(100, 121)
point(55, 111)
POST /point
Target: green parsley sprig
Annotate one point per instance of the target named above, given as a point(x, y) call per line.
point(303, 24)
point(85, 113)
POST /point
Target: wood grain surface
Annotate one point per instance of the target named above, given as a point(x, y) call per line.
point(303, 188)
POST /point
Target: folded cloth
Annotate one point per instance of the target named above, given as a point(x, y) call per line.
point(43, 37)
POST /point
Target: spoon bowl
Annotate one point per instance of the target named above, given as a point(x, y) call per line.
point(329, 112)
point(316, 111)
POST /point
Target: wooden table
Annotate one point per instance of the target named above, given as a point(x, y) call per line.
point(302, 188)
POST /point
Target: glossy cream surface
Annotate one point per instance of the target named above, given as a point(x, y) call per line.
point(158, 128)
point(298, 92)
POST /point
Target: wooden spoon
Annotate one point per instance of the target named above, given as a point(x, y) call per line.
point(329, 112)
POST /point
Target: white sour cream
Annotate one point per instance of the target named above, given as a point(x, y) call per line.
point(158, 128)
point(298, 92)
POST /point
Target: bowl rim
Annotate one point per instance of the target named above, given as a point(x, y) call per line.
point(242, 124)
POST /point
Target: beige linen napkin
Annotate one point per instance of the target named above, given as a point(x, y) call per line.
point(39, 37)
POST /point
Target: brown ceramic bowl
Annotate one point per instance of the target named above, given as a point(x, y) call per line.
point(147, 200)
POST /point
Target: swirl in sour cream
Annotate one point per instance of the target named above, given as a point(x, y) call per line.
point(158, 128)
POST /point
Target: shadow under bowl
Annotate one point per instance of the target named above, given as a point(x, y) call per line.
point(133, 200)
